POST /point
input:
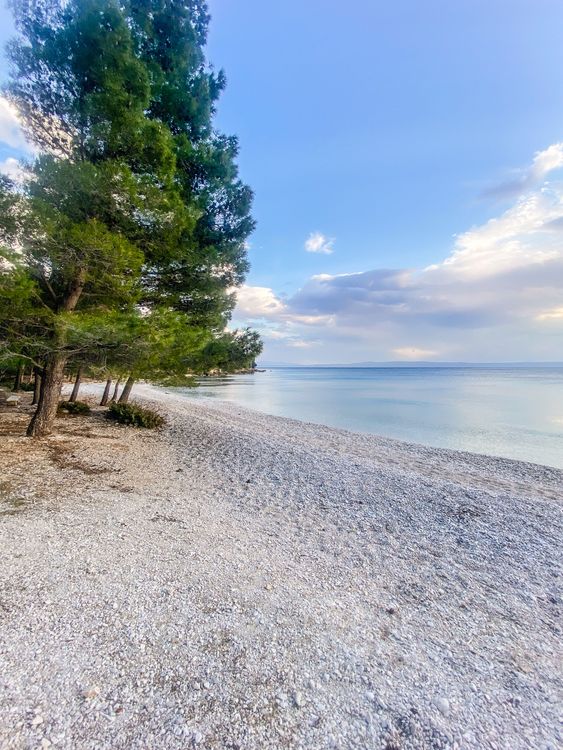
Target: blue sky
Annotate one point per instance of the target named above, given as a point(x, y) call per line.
point(395, 136)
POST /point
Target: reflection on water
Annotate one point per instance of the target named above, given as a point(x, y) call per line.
point(513, 412)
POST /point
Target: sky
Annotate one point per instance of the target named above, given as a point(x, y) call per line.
point(407, 164)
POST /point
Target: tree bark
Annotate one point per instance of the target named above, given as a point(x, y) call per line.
point(37, 385)
point(75, 290)
point(18, 378)
point(105, 397)
point(115, 391)
point(53, 374)
point(77, 382)
point(42, 421)
point(124, 398)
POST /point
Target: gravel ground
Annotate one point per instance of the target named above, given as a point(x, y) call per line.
point(245, 581)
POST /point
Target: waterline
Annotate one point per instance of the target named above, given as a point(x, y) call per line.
point(511, 412)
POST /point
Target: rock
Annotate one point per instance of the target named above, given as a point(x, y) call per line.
point(298, 699)
point(91, 692)
point(37, 720)
point(442, 704)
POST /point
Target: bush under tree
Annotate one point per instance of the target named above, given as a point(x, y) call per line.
point(135, 415)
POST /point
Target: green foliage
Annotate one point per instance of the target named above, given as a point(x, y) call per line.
point(27, 387)
point(229, 352)
point(177, 381)
point(135, 415)
point(74, 407)
point(124, 92)
point(131, 228)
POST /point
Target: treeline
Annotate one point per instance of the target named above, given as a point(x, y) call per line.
point(123, 245)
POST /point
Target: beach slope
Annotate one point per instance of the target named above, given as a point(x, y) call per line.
point(246, 581)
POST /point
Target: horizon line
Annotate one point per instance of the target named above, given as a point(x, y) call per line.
point(450, 363)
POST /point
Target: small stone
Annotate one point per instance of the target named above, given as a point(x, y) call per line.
point(37, 720)
point(442, 704)
point(298, 699)
point(45, 743)
point(207, 685)
point(91, 692)
point(197, 737)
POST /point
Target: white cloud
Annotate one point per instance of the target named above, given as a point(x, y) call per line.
point(555, 313)
point(544, 163)
point(301, 343)
point(11, 132)
point(12, 168)
point(261, 302)
point(526, 234)
point(258, 302)
point(413, 353)
point(319, 243)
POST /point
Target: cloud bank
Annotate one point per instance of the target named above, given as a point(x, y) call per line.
point(497, 296)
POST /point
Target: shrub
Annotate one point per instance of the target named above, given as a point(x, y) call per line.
point(74, 407)
point(27, 386)
point(135, 415)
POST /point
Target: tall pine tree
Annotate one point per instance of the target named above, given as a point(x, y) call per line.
point(134, 207)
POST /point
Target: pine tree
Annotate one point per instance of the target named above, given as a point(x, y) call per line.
point(134, 210)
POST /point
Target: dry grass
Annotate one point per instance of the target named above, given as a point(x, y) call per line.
point(38, 470)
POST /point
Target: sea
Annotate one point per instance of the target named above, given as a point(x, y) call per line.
point(514, 412)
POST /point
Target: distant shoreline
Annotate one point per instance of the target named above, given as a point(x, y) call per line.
point(377, 365)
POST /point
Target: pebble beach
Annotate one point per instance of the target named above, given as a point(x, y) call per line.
point(238, 580)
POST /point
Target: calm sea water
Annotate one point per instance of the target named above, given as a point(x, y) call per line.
point(512, 412)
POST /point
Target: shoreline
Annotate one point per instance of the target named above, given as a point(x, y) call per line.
point(472, 412)
point(381, 446)
point(251, 581)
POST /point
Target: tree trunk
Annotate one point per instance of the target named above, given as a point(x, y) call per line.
point(37, 385)
point(115, 390)
point(18, 378)
point(51, 383)
point(124, 398)
point(74, 394)
point(105, 397)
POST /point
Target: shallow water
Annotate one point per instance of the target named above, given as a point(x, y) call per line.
point(511, 412)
